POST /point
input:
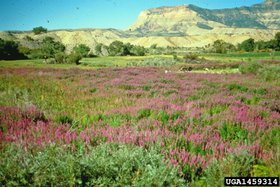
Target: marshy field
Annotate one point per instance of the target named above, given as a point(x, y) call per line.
point(133, 121)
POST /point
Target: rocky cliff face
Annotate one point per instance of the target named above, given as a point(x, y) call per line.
point(190, 19)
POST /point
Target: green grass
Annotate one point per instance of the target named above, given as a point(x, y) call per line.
point(118, 61)
point(123, 61)
point(32, 63)
point(251, 56)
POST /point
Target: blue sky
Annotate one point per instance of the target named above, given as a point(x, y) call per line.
point(71, 14)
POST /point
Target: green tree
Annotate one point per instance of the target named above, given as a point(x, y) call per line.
point(248, 45)
point(138, 50)
point(116, 48)
point(39, 30)
point(74, 58)
point(50, 47)
point(82, 49)
point(277, 41)
point(101, 49)
point(9, 50)
point(220, 46)
point(98, 49)
point(60, 58)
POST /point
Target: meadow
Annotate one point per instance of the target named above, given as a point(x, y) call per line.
point(122, 125)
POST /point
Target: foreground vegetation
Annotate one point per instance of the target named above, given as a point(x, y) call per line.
point(138, 117)
point(137, 126)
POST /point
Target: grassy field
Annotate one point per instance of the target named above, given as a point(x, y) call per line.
point(111, 125)
point(244, 57)
point(154, 60)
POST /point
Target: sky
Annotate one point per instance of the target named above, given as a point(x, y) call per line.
point(74, 14)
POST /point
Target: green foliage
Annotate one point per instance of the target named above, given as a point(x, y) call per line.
point(250, 67)
point(235, 86)
point(101, 49)
point(104, 165)
point(247, 45)
point(138, 51)
point(163, 116)
point(233, 131)
point(24, 50)
point(265, 45)
point(118, 48)
point(93, 90)
point(220, 46)
point(261, 171)
point(147, 87)
point(190, 57)
point(50, 47)
point(144, 113)
point(260, 91)
point(266, 72)
point(153, 62)
point(119, 165)
point(82, 49)
point(270, 73)
point(39, 30)
point(232, 165)
point(277, 41)
point(53, 166)
point(74, 58)
point(116, 119)
point(60, 58)
point(9, 50)
point(63, 119)
point(271, 138)
point(216, 109)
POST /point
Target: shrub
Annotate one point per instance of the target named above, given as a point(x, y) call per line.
point(59, 58)
point(190, 57)
point(120, 165)
point(250, 67)
point(270, 73)
point(233, 165)
point(9, 50)
point(52, 166)
point(104, 165)
point(234, 86)
point(93, 90)
point(74, 58)
point(247, 45)
point(82, 50)
point(50, 47)
point(39, 30)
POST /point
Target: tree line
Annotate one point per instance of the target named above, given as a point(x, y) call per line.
point(249, 45)
point(53, 51)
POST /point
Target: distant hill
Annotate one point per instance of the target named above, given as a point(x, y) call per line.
point(185, 26)
point(190, 19)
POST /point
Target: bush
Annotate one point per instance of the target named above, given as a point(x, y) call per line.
point(270, 73)
point(9, 50)
point(50, 47)
point(39, 30)
point(59, 58)
point(190, 56)
point(82, 50)
point(247, 45)
point(232, 166)
point(120, 165)
point(74, 58)
point(250, 67)
point(104, 165)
